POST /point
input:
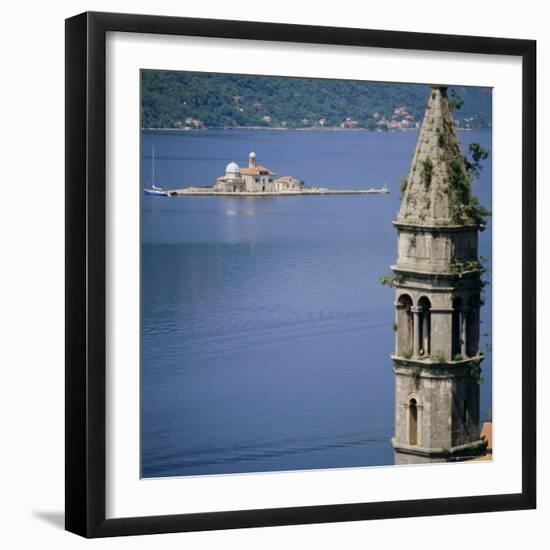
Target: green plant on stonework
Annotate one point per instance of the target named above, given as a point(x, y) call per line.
point(459, 181)
point(406, 354)
point(477, 153)
point(457, 357)
point(463, 205)
point(455, 102)
point(467, 266)
point(472, 266)
point(439, 357)
point(463, 170)
point(392, 280)
point(394, 325)
point(476, 212)
point(427, 171)
point(440, 139)
point(403, 186)
point(415, 372)
point(475, 371)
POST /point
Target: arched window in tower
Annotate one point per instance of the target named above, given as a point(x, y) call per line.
point(457, 326)
point(413, 422)
point(472, 326)
point(404, 325)
point(424, 326)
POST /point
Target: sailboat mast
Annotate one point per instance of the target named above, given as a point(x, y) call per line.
point(153, 168)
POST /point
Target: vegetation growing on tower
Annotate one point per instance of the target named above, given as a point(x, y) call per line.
point(463, 171)
point(427, 169)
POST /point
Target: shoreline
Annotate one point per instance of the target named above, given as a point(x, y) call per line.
point(193, 191)
point(282, 129)
point(275, 129)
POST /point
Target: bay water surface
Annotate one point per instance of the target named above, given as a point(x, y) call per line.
point(266, 334)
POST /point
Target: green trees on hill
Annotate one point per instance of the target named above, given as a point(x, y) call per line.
point(181, 99)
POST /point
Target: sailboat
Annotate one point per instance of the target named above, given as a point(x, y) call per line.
point(154, 190)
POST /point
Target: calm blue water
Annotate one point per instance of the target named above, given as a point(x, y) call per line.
point(265, 332)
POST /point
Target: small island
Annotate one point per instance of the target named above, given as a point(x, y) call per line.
point(257, 180)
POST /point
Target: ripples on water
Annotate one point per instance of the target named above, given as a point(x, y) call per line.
point(265, 332)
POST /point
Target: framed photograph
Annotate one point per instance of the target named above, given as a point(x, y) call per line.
point(300, 274)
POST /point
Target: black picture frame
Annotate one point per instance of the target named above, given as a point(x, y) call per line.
point(86, 273)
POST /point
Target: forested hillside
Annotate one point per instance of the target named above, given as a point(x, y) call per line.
point(197, 100)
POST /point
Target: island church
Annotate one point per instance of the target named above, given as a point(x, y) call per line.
point(254, 179)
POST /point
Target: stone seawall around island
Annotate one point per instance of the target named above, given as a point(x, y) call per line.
point(197, 191)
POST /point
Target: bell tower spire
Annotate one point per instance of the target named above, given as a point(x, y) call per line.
point(437, 300)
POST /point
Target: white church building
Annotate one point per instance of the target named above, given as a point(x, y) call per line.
point(255, 178)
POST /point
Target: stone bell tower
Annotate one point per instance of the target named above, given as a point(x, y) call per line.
point(437, 300)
